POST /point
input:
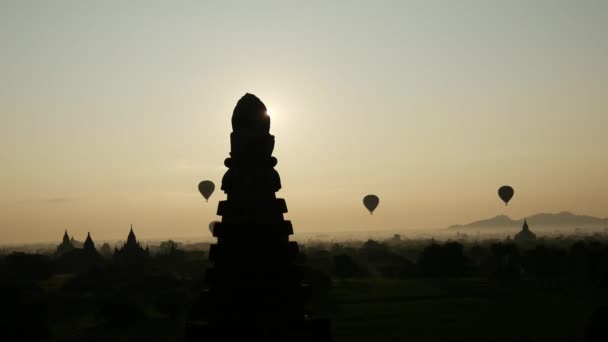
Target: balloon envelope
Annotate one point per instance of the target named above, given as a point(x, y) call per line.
point(212, 226)
point(505, 193)
point(206, 188)
point(371, 202)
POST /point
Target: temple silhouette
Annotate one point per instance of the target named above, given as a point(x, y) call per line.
point(76, 257)
point(70, 248)
point(255, 290)
point(89, 245)
point(132, 248)
point(65, 245)
point(525, 235)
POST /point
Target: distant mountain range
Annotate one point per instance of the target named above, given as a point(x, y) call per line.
point(562, 220)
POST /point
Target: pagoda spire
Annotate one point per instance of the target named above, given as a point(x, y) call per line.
point(525, 235)
point(255, 288)
point(66, 245)
point(131, 248)
point(131, 239)
point(88, 243)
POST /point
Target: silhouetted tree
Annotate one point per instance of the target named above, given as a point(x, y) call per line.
point(379, 257)
point(23, 309)
point(446, 260)
point(596, 328)
point(505, 263)
point(119, 310)
point(477, 255)
point(27, 269)
point(170, 302)
point(168, 247)
point(346, 267)
point(319, 259)
point(544, 263)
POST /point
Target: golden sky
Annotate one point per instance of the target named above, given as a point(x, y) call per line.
point(113, 111)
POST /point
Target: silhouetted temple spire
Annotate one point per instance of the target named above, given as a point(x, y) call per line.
point(132, 248)
point(250, 116)
point(255, 286)
point(66, 244)
point(131, 239)
point(525, 235)
point(88, 243)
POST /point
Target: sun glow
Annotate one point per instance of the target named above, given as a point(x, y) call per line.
point(271, 112)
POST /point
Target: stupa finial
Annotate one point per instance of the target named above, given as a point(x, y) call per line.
point(250, 115)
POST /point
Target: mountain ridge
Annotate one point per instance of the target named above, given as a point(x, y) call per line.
point(563, 219)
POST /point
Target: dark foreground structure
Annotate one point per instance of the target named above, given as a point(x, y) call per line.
point(256, 290)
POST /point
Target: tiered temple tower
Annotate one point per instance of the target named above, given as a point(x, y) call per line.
point(66, 244)
point(132, 248)
point(255, 286)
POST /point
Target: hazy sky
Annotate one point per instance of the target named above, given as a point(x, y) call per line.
point(113, 111)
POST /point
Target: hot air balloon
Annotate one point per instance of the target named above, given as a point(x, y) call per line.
point(505, 193)
point(371, 202)
point(206, 188)
point(212, 226)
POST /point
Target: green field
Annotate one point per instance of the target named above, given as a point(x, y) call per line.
point(466, 309)
point(455, 310)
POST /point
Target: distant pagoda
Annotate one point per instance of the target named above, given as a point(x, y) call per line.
point(77, 258)
point(255, 286)
point(132, 248)
point(89, 245)
point(65, 246)
point(525, 235)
